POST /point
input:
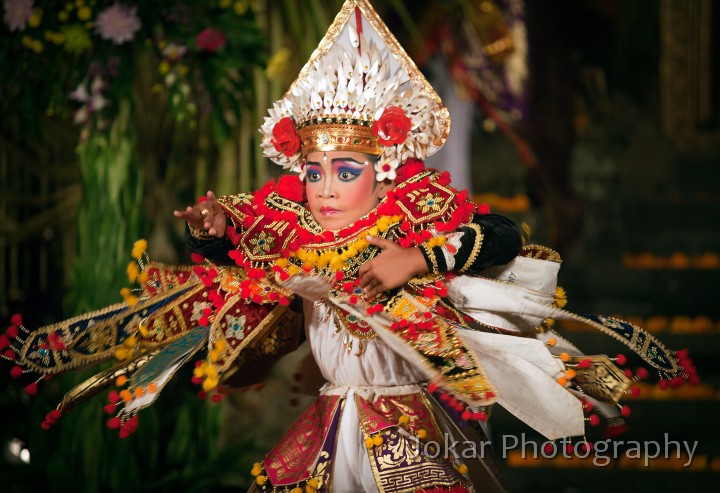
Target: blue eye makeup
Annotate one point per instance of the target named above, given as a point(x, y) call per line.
point(312, 175)
point(346, 173)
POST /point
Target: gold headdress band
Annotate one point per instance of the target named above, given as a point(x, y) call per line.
point(358, 92)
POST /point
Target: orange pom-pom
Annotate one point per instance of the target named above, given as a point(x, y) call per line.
point(551, 342)
point(565, 357)
point(121, 380)
point(562, 381)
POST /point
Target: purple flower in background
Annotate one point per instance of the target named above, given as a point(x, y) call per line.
point(17, 13)
point(118, 23)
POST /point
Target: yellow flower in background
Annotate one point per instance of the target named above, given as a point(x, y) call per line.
point(225, 3)
point(278, 63)
point(181, 69)
point(55, 38)
point(241, 7)
point(79, 3)
point(36, 17)
point(63, 16)
point(164, 67)
point(84, 13)
point(77, 40)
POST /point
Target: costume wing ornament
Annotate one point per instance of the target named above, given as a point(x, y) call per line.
point(178, 313)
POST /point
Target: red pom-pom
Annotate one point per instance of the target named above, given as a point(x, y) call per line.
point(202, 395)
point(4, 342)
point(480, 416)
point(641, 373)
point(676, 382)
point(569, 449)
point(586, 447)
point(216, 398)
point(466, 415)
point(482, 209)
point(664, 384)
point(290, 187)
point(16, 319)
point(113, 396)
point(680, 353)
point(16, 371)
point(114, 423)
point(109, 408)
point(635, 391)
point(197, 258)
point(548, 448)
point(625, 411)
point(444, 396)
point(620, 359)
point(12, 332)
point(588, 406)
point(432, 387)
point(594, 420)
point(45, 425)
point(628, 372)
point(196, 380)
point(10, 354)
point(53, 416)
point(32, 389)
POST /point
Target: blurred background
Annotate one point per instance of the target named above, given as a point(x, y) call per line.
point(594, 124)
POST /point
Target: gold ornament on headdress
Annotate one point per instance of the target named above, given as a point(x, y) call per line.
point(358, 92)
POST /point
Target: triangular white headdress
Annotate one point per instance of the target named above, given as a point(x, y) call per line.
point(358, 92)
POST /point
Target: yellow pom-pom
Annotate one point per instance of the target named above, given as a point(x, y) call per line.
point(143, 277)
point(142, 327)
point(377, 440)
point(551, 342)
point(131, 300)
point(297, 489)
point(133, 269)
point(422, 434)
point(212, 372)
point(560, 297)
point(121, 354)
point(462, 469)
point(404, 419)
point(221, 345)
point(293, 269)
point(257, 464)
point(121, 380)
point(139, 247)
point(209, 384)
point(550, 322)
point(256, 471)
point(281, 262)
point(125, 292)
point(565, 357)
point(214, 355)
point(313, 483)
point(261, 480)
point(368, 443)
point(198, 372)
point(130, 341)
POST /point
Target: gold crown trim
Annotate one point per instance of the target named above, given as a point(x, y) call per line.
point(338, 137)
point(397, 51)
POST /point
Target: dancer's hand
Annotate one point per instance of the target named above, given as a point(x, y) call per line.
point(207, 215)
point(392, 268)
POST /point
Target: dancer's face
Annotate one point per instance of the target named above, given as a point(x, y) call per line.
point(341, 187)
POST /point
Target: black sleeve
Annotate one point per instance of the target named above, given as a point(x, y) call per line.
point(214, 249)
point(488, 240)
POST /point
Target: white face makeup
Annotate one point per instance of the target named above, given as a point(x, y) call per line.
point(341, 187)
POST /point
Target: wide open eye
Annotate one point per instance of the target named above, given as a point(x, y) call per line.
point(312, 175)
point(348, 174)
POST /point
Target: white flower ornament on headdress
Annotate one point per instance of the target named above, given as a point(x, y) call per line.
point(358, 92)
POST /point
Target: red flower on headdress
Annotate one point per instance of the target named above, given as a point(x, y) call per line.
point(392, 127)
point(210, 40)
point(285, 137)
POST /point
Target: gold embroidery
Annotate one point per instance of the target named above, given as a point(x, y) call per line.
point(199, 234)
point(477, 246)
point(431, 255)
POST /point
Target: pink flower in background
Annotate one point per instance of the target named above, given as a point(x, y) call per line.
point(17, 13)
point(118, 23)
point(210, 40)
